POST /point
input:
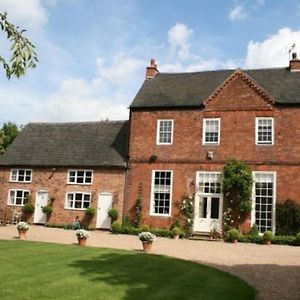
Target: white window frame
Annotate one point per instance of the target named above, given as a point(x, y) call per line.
point(204, 131)
point(218, 173)
point(261, 143)
point(152, 212)
point(16, 190)
point(158, 131)
point(17, 175)
point(77, 192)
point(84, 177)
point(274, 198)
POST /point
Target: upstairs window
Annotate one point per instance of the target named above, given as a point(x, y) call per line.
point(264, 131)
point(80, 177)
point(20, 175)
point(18, 197)
point(164, 132)
point(78, 200)
point(211, 131)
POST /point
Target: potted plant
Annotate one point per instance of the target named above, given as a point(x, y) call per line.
point(297, 239)
point(147, 239)
point(215, 234)
point(267, 237)
point(113, 214)
point(233, 235)
point(22, 229)
point(176, 232)
point(82, 236)
point(90, 212)
point(47, 209)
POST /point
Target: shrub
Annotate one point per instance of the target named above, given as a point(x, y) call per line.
point(146, 236)
point(145, 228)
point(232, 235)
point(297, 239)
point(283, 240)
point(90, 211)
point(113, 214)
point(287, 218)
point(176, 231)
point(161, 232)
point(268, 236)
point(28, 209)
point(116, 227)
point(254, 231)
point(22, 226)
point(250, 239)
point(82, 234)
point(176, 223)
point(47, 209)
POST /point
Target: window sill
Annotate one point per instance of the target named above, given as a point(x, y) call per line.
point(20, 181)
point(77, 209)
point(74, 183)
point(160, 215)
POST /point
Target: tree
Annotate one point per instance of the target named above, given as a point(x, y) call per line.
point(8, 133)
point(23, 56)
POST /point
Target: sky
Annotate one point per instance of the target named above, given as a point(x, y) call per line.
point(93, 53)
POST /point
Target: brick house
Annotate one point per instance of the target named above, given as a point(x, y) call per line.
point(76, 164)
point(184, 127)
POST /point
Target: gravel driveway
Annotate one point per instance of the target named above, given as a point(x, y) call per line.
point(273, 270)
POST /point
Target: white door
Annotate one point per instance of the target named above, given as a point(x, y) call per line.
point(208, 202)
point(104, 205)
point(208, 213)
point(40, 202)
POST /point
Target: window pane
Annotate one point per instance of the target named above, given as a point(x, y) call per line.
point(215, 203)
point(165, 132)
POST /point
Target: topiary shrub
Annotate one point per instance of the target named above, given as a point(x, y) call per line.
point(28, 209)
point(287, 218)
point(113, 214)
point(232, 235)
point(116, 227)
point(268, 236)
point(90, 212)
point(47, 209)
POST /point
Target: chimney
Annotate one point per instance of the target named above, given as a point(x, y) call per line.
point(151, 71)
point(294, 63)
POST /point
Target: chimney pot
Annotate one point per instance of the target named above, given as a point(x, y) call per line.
point(151, 71)
point(294, 63)
point(294, 55)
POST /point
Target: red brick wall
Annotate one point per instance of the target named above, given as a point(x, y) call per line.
point(104, 180)
point(237, 105)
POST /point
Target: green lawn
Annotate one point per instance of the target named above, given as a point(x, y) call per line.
point(30, 270)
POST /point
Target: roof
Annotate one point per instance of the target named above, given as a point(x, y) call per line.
point(69, 144)
point(192, 89)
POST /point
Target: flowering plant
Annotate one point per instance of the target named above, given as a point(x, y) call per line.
point(146, 236)
point(82, 234)
point(187, 211)
point(22, 226)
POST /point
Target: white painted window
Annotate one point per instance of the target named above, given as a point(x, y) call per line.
point(78, 200)
point(264, 198)
point(80, 177)
point(20, 175)
point(209, 183)
point(18, 197)
point(161, 195)
point(211, 131)
point(264, 131)
point(164, 132)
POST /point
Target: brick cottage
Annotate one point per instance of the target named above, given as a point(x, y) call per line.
point(183, 128)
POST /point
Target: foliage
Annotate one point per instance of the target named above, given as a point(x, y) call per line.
point(287, 218)
point(28, 209)
point(284, 240)
point(22, 226)
point(297, 239)
point(146, 236)
point(67, 272)
point(232, 235)
point(90, 211)
point(116, 227)
point(23, 56)
point(145, 228)
point(187, 213)
point(113, 214)
point(138, 212)
point(250, 239)
point(177, 231)
point(254, 231)
point(237, 188)
point(268, 236)
point(215, 234)
point(176, 223)
point(47, 209)
point(82, 234)
point(8, 133)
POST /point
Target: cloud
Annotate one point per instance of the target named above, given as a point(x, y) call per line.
point(237, 13)
point(29, 14)
point(272, 52)
point(178, 37)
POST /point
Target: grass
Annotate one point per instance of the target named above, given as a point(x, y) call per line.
point(31, 270)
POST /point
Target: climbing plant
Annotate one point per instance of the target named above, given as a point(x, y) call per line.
point(187, 212)
point(237, 188)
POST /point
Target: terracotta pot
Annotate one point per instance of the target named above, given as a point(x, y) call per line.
point(267, 242)
point(22, 234)
point(81, 242)
point(147, 246)
point(176, 237)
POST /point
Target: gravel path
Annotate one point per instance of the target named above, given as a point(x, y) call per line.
point(273, 270)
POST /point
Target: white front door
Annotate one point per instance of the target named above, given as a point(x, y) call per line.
point(208, 202)
point(104, 205)
point(40, 202)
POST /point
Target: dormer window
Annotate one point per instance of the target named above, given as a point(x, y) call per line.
point(211, 131)
point(264, 131)
point(164, 134)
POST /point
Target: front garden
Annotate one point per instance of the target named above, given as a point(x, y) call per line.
point(31, 270)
